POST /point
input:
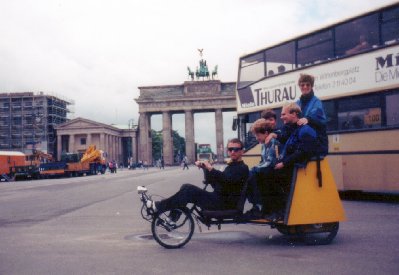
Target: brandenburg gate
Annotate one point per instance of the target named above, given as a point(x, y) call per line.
point(194, 96)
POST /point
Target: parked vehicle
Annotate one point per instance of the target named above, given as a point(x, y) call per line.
point(8, 161)
point(91, 163)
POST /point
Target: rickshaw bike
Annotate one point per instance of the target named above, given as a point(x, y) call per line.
point(313, 211)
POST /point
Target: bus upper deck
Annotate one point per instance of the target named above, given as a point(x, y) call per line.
point(359, 87)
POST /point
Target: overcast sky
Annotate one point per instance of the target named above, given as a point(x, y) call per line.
point(97, 53)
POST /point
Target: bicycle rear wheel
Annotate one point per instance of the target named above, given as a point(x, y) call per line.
point(312, 234)
point(319, 234)
point(173, 228)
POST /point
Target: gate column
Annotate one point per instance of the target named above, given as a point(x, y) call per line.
point(145, 148)
point(219, 135)
point(167, 138)
point(189, 131)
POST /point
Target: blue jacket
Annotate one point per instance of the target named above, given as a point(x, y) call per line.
point(300, 146)
point(312, 109)
point(268, 157)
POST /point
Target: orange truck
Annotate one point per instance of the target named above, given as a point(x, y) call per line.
point(8, 161)
point(91, 163)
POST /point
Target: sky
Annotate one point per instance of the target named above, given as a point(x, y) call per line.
point(97, 53)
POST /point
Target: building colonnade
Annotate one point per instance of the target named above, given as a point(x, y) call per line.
point(77, 135)
point(145, 143)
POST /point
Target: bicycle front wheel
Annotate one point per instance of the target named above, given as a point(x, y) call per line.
point(173, 228)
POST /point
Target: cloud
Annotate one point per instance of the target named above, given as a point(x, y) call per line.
point(98, 52)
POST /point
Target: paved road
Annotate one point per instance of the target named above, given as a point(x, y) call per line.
point(92, 225)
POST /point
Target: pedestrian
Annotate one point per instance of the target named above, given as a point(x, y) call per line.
point(185, 162)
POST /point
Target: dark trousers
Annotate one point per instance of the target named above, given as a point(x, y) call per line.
point(269, 188)
point(189, 193)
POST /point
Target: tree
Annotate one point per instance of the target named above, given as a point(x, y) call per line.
point(156, 144)
point(179, 145)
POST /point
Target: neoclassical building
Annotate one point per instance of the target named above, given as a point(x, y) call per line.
point(77, 134)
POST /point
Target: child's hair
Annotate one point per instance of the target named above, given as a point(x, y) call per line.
point(261, 126)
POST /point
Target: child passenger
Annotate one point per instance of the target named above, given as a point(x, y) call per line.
point(261, 176)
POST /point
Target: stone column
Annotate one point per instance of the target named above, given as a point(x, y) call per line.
point(105, 148)
point(102, 146)
point(145, 144)
point(219, 135)
point(71, 143)
point(115, 147)
point(189, 131)
point(120, 151)
point(134, 148)
point(167, 138)
point(88, 140)
point(59, 147)
point(109, 147)
point(115, 144)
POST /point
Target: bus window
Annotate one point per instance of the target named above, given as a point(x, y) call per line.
point(315, 48)
point(392, 103)
point(362, 112)
point(357, 35)
point(390, 26)
point(281, 58)
point(252, 68)
point(330, 109)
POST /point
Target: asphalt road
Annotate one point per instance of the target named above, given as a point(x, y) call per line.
point(92, 225)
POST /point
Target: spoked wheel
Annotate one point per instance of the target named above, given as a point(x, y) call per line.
point(173, 228)
point(312, 234)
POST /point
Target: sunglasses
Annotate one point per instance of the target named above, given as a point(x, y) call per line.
point(304, 85)
point(234, 149)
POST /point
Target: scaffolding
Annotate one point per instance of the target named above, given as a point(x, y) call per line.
point(27, 121)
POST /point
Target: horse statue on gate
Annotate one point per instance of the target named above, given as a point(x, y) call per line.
point(215, 72)
point(203, 70)
point(190, 73)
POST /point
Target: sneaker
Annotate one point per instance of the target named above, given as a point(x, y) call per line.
point(141, 189)
point(166, 223)
point(275, 216)
point(254, 213)
point(174, 215)
point(170, 222)
point(151, 205)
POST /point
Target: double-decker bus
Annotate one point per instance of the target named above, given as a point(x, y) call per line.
point(355, 63)
point(204, 152)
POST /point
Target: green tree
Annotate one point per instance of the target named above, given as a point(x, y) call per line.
point(156, 144)
point(179, 145)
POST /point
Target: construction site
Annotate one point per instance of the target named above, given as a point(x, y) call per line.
point(27, 121)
